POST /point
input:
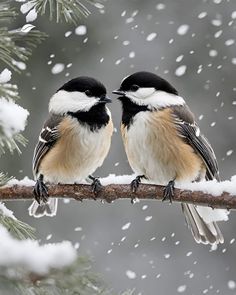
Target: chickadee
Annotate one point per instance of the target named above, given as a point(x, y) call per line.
point(164, 144)
point(74, 140)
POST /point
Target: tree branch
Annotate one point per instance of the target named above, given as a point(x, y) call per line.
point(113, 192)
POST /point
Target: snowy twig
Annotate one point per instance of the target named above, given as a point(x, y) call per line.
point(33, 257)
point(113, 192)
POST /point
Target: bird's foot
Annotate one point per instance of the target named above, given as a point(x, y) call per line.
point(135, 185)
point(96, 185)
point(168, 192)
point(40, 191)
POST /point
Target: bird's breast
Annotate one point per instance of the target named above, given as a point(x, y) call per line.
point(155, 149)
point(77, 153)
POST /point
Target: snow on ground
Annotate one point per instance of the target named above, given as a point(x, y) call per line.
point(33, 257)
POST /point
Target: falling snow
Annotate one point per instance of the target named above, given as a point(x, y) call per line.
point(213, 53)
point(57, 68)
point(202, 15)
point(216, 22)
point(180, 71)
point(183, 29)
point(232, 241)
point(229, 42)
point(151, 36)
point(229, 152)
point(218, 34)
point(148, 218)
point(160, 6)
point(81, 30)
point(132, 54)
point(181, 289)
point(126, 226)
point(167, 256)
point(130, 274)
point(233, 15)
point(67, 34)
point(231, 285)
point(234, 61)
point(179, 58)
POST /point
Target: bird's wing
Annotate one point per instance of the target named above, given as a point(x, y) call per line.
point(47, 138)
point(189, 129)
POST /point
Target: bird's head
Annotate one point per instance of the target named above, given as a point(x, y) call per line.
point(148, 89)
point(79, 94)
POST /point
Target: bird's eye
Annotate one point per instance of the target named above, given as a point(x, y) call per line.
point(134, 87)
point(88, 93)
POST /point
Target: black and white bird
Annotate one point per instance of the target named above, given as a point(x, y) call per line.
point(164, 144)
point(74, 140)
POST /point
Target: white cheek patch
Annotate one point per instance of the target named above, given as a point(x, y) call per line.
point(63, 101)
point(154, 99)
point(141, 93)
point(144, 93)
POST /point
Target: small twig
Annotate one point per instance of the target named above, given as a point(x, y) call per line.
point(113, 192)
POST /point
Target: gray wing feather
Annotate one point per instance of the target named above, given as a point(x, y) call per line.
point(47, 138)
point(190, 131)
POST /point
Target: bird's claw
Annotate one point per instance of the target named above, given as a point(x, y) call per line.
point(96, 185)
point(40, 191)
point(168, 192)
point(136, 182)
point(135, 185)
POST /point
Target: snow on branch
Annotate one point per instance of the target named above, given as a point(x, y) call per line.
point(29, 255)
point(207, 193)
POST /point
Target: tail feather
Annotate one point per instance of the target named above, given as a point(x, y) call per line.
point(44, 209)
point(206, 233)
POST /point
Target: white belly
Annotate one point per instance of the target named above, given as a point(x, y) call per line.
point(151, 153)
point(141, 154)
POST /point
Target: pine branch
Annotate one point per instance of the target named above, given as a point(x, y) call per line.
point(17, 45)
point(9, 91)
point(63, 10)
point(11, 143)
point(7, 13)
point(17, 228)
point(4, 179)
point(113, 192)
point(79, 278)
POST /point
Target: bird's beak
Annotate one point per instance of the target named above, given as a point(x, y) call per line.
point(105, 99)
point(119, 92)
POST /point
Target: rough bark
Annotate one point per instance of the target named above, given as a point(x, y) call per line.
point(113, 192)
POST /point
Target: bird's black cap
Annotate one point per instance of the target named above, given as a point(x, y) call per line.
point(146, 79)
point(83, 84)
